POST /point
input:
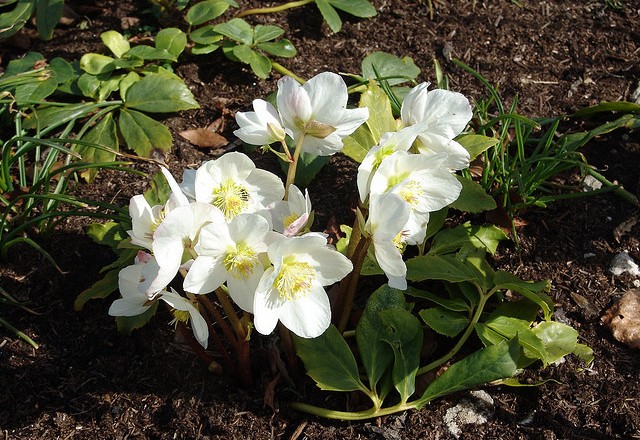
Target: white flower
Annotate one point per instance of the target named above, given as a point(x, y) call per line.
point(318, 110)
point(232, 254)
point(422, 181)
point(260, 127)
point(445, 115)
point(188, 184)
point(291, 291)
point(389, 143)
point(291, 216)
point(134, 301)
point(234, 185)
point(186, 310)
point(388, 214)
point(174, 239)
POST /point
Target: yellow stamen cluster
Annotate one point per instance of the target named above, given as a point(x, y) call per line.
point(240, 261)
point(294, 280)
point(231, 198)
point(290, 219)
point(411, 193)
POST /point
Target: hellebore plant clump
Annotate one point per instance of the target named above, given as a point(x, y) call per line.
point(237, 232)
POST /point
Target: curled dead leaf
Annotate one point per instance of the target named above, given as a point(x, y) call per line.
point(623, 318)
point(204, 138)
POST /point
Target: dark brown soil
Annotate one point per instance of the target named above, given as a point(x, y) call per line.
point(86, 381)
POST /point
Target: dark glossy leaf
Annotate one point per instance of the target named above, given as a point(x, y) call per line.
point(23, 64)
point(283, 48)
point(205, 35)
point(35, 92)
point(127, 324)
point(444, 321)
point(453, 304)
point(403, 332)
point(260, 65)
point(61, 70)
point(330, 15)
point(435, 267)
point(329, 361)
point(473, 198)
point(467, 235)
point(12, 21)
point(262, 34)
point(48, 14)
point(533, 291)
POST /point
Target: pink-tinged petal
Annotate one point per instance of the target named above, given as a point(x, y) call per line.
point(296, 226)
point(205, 275)
point(307, 316)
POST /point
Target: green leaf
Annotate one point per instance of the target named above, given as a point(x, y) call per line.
point(102, 135)
point(260, 65)
point(358, 8)
point(605, 107)
point(437, 220)
point(173, 40)
point(389, 67)
point(534, 291)
point(143, 134)
point(96, 64)
point(34, 92)
point(127, 81)
point(44, 117)
point(534, 348)
point(381, 118)
point(358, 143)
point(99, 290)
point(89, 85)
point(199, 49)
point(438, 267)
point(23, 64)
point(476, 144)
point(309, 166)
point(160, 93)
point(444, 321)
point(116, 43)
point(486, 365)
point(473, 198)
point(467, 235)
point(237, 29)
point(330, 15)
point(262, 34)
point(127, 324)
point(150, 53)
point(375, 354)
point(61, 70)
point(329, 361)
point(48, 14)
point(283, 48)
point(206, 10)
point(159, 192)
point(109, 86)
point(107, 234)
point(453, 304)
point(12, 21)
point(403, 332)
point(205, 35)
point(559, 339)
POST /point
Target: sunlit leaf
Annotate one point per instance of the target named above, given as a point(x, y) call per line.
point(143, 134)
point(102, 135)
point(237, 29)
point(358, 143)
point(116, 42)
point(260, 65)
point(330, 15)
point(357, 8)
point(476, 144)
point(108, 233)
point(172, 40)
point(96, 64)
point(389, 67)
point(329, 361)
point(206, 10)
point(127, 81)
point(559, 339)
point(473, 197)
point(160, 93)
point(150, 53)
point(496, 362)
point(381, 118)
point(262, 34)
point(533, 291)
point(283, 48)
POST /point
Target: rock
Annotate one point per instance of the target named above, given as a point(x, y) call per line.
point(475, 410)
point(623, 318)
point(622, 263)
point(590, 183)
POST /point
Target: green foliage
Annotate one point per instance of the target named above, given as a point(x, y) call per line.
point(14, 14)
point(357, 8)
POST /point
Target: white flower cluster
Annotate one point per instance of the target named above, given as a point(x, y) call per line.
point(227, 224)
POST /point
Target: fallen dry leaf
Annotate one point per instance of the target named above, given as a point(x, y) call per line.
point(203, 138)
point(623, 318)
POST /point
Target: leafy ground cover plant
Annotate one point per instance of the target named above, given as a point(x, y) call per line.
point(238, 241)
point(14, 14)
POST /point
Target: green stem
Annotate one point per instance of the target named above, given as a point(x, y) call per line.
point(18, 333)
point(280, 8)
point(223, 297)
point(619, 191)
point(346, 415)
point(291, 174)
point(351, 283)
point(284, 71)
point(463, 338)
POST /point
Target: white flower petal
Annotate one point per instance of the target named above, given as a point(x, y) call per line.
point(308, 316)
point(293, 101)
point(205, 275)
point(328, 97)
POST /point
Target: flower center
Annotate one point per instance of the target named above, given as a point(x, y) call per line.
point(231, 198)
point(290, 219)
point(240, 261)
point(411, 193)
point(294, 280)
point(180, 316)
